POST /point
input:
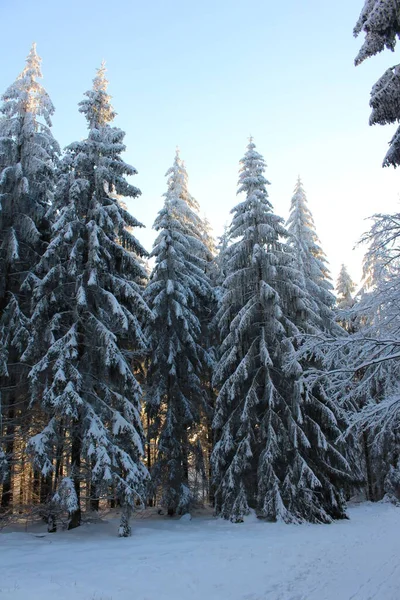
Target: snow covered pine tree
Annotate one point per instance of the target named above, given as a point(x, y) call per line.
point(209, 342)
point(87, 320)
point(321, 324)
point(345, 287)
point(345, 301)
point(28, 155)
point(268, 438)
point(176, 292)
point(369, 375)
point(311, 263)
point(380, 20)
point(377, 387)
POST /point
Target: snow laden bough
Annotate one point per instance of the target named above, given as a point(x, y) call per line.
point(380, 21)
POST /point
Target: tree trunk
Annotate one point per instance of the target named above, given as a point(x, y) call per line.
point(125, 529)
point(22, 491)
point(368, 469)
point(45, 496)
point(76, 516)
point(45, 489)
point(210, 436)
point(211, 441)
point(36, 487)
point(51, 523)
point(58, 472)
point(7, 492)
point(94, 498)
point(148, 452)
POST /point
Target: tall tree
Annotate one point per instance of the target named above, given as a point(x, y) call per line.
point(88, 319)
point(177, 290)
point(380, 21)
point(221, 257)
point(273, 453)
point(311, 262)
point(322, 322)
point(369, 375)
point(209, 341)
point(28, 156)
point(345, 287)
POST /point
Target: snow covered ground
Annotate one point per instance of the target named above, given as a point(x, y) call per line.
point(209, 559)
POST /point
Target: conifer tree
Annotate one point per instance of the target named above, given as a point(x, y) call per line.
point(345, 287)
point(368, 377)
point(250, 320)
point(274, 453)
point(311, 263)
point(208, 238)
point(380, 20)
point(345, 300)
point(177, 290)
point(88, 319)
point(222, 256)
point(322, 322)
point(209, 341)
point(28, 156)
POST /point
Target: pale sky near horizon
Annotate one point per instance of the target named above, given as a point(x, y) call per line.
point(204, 76)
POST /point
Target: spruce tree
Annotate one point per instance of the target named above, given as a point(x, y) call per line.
point(88, 319)
point(274, 453)
point(209, 342)
point(176, 292)
point(28, 156)
point(221, 257)
point(380, 21)
point(345, 288)
point(311, 263)
point(251, 323)
point(367, 377)
point(322, 322)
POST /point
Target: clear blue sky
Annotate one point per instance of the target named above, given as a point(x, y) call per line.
point(205, 75)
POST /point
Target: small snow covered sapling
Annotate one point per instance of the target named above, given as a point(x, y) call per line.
point(64, 500)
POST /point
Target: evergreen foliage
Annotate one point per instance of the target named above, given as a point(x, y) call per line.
point(311, 263)
point(361, 372)
point(28, 156)
point(345, 301)
point(177, 290)
point(380, 20)
point(275, 451)
point(345, 287)
point(258, 393)
point(88, 318)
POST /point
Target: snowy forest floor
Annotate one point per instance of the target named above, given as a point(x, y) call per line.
point(207, 558)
